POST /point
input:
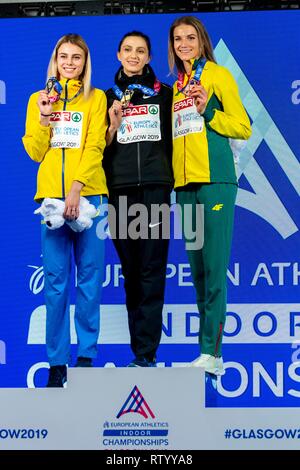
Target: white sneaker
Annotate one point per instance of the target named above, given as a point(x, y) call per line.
point(211, 364)
point(200, 361)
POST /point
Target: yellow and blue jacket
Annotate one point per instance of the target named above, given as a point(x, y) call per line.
point(59, 167)
point(205, 156)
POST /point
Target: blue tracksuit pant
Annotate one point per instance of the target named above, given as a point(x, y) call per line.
point(57, 246)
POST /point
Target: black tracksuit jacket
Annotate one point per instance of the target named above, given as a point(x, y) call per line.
point(141, 163)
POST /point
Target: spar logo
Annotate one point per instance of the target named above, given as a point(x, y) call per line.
point(153, 109)
point(186, 103)
point(2, 92)
point(263, 195)
point(76, 117)
point(136, 403)
point(58, 116)
point(135, 110)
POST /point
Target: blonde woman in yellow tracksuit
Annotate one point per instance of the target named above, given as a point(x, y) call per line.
point(207, 111)
point(67, 138)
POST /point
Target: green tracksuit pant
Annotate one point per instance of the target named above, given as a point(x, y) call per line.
point(209, 263)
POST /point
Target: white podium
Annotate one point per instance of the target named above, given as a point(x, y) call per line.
point(135, 409)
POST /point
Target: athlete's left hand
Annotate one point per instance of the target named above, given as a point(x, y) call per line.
point(72, 201)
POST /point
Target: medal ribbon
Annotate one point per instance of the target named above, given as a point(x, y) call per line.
point(199, 66)
point(136, 86)
point(54, 90)
point(68, 100)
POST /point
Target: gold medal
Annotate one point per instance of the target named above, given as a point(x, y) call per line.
point(125, 100)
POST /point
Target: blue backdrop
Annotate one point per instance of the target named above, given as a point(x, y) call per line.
point(261, 347)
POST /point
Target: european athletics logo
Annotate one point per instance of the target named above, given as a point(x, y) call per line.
point(136, 403)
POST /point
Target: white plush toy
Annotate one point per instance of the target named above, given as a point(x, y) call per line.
point(237, 146)
point(52, 210)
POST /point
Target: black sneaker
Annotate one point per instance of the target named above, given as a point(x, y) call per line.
point(84, 362)
point(57, 376)
point(142, 362)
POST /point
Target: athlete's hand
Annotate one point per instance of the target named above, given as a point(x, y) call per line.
point(72, 201)
point(115, 114)
point(43, 103)
point(200, 96)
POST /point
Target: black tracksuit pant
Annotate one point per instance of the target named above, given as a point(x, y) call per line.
point(144, 263)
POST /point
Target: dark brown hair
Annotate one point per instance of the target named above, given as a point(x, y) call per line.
point(139, 34)
point(203, 38)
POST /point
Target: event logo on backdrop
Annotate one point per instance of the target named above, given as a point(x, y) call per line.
point(36, 282)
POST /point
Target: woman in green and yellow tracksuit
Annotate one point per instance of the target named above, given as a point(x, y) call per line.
point(207, 111)
point(65, 134)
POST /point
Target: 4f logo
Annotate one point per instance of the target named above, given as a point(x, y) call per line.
point(217, 207)
point(263, 201)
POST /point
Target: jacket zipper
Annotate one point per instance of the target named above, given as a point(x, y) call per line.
point(139, 163)
point(63, 150)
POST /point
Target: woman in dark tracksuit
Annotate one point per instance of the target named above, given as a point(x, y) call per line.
point(138, 169)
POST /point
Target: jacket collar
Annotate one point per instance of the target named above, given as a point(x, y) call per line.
point(147, 78)
point(73, 86)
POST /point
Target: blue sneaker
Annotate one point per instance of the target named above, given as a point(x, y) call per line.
point(143, 362)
